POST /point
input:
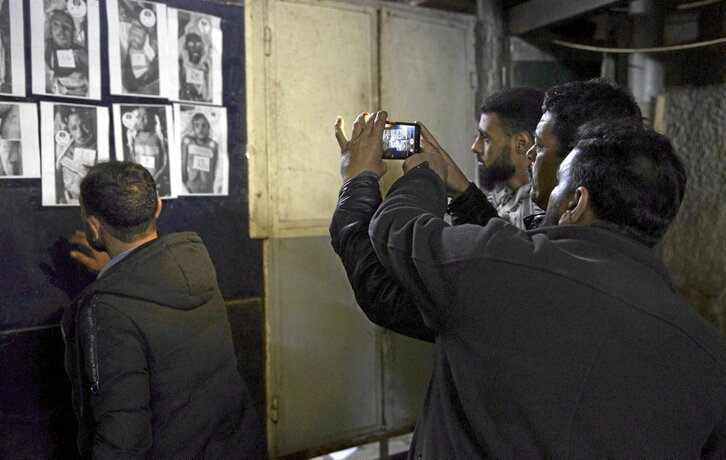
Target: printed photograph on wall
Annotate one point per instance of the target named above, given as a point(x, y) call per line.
point(137, 34)
point(19, 152)
point(78, 140)
point(143, 135)
point(12, 48)
point(65, 37)
point(201, 132)
point(196, 51)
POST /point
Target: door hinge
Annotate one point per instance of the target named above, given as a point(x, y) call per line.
point(268, 40)
point(275, 409)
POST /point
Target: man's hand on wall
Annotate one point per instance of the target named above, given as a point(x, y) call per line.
point(94, 260)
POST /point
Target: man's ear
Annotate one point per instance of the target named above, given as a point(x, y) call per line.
point(158, 207)
point(578, 210)
point(94, 224)
point(522, 142)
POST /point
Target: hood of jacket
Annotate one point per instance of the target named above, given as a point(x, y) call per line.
point(173, 270)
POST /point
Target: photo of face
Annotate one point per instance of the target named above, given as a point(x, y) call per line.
point(5, 49)
point(66, 49)
point(75, 139)
point(143, 132)
point(139, 43)
point(201, 131)
point(10, 141)
point(19, 153)
point(198, 54)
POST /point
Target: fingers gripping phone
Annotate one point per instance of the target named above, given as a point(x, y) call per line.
point(400, 140)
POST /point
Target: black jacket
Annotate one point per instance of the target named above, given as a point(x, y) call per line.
point(150, 356)
point(565, 342)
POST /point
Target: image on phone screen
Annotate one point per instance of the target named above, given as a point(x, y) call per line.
point(400, 140)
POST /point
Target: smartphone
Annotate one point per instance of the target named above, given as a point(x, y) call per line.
point(400, 140)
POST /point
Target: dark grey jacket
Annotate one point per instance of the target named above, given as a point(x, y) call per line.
point(565, 342)
point(150, 356)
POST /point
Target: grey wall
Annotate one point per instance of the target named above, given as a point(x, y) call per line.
point(694, 248)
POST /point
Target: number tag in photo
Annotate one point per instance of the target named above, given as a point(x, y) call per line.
point(200, 163)
point(66, 59)
point(195, 76)
point(147, 161)
point(84, 156)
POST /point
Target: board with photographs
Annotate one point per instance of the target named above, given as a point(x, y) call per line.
point(64, 134)
point(12, 48)
point(65, 38)
point(201, 132)
point(137, 51)
point(143, 134)
point(196, 56)
point(19, 152)
point(78, 140)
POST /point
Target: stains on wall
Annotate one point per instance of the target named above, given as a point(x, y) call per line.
point(694, 248)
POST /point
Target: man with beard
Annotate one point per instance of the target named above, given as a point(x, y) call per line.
point(193, 70)
point(148, 345)
point(506, 132)
point(564, 342)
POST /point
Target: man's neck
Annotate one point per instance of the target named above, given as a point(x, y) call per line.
point(115, 247)
point(517, 180)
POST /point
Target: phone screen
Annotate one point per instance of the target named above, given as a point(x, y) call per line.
point(400, 140)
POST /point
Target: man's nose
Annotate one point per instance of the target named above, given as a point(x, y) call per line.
point(476, 146)
point(531, 154)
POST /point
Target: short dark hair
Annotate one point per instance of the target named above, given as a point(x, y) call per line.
point(192, 36)
point(122, 195)
point(577, 102)
point(519, 109)
point(635, 179)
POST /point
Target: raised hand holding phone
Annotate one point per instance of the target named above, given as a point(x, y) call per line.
point(363, 151)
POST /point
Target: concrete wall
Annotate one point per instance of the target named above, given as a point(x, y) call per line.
point(694, 248)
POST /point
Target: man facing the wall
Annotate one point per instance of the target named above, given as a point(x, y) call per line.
point(148, 344)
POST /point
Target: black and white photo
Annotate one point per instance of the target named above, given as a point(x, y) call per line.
point(137, 40)
point(19, 152)
point(78, 140)
point(142, 135)
point(202, 136)
point(196, 51)
point(12, 48)
point(65, 36)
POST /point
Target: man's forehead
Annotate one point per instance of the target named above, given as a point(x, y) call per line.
point(489, 119)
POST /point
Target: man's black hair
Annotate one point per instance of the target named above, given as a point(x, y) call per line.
point(519, 109)
point(122, 195)
point(577, 102)
point(635, 179)
point(192, 36)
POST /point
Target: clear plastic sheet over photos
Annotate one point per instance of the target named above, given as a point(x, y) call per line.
point(19, 152)
point(78, 140)
point(12, 49)
point(201, 132)
point(144, 134)
point(65, 38)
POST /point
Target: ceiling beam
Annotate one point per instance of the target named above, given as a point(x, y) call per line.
point(536, 14)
